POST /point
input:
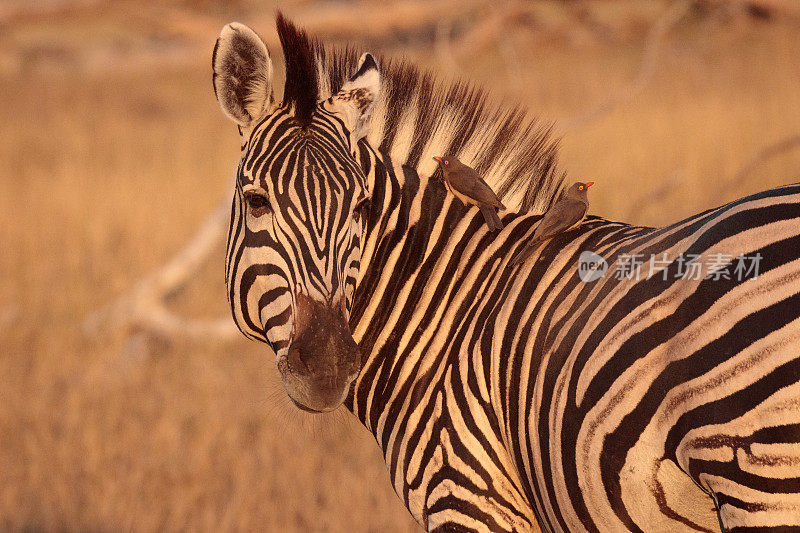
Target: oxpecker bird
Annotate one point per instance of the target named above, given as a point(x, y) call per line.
point(465, 183)
point(568, 211)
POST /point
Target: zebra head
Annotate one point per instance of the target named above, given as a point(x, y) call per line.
point(294, 245)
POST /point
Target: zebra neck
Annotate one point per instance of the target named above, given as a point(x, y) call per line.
point(420, 243)
point(433, 300)
point(410, 223)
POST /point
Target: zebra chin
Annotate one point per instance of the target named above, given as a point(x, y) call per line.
point(317, 398)
point(322, 359)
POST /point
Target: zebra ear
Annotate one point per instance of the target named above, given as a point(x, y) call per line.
point(242, 73)
point(358, 96)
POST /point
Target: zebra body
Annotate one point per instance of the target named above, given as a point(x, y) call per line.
point(517, 417)
point(506, 399)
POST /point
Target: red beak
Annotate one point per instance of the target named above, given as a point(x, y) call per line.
point(589, 184)
point(439, 159)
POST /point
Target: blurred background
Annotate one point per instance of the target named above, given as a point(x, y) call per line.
point(125, 401)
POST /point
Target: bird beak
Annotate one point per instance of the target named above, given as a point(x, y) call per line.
point(438, 159)
point(589, 184)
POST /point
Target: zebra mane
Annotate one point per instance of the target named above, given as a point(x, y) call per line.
point(418, 116)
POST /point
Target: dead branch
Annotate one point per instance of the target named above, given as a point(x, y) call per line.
point(647, 68)
point(143, 308)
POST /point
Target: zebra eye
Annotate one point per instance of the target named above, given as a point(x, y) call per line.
point(258, 203)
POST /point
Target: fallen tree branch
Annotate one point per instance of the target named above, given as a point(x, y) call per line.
point(143, 308)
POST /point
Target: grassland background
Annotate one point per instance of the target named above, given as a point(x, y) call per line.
point(113, 150)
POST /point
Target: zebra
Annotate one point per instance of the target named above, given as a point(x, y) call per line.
point(552, 396)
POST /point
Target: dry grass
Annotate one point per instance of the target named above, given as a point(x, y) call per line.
point(106, 173)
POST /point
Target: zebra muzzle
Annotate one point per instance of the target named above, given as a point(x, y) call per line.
point(323, 359)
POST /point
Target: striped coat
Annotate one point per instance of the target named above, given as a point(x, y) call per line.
point(657, 394)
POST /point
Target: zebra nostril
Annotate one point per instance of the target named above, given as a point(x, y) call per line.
point(296, 363)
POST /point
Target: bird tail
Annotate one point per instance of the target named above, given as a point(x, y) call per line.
point(525, 253)
point(492, 220)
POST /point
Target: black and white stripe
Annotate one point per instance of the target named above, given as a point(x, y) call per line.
point(510, 399)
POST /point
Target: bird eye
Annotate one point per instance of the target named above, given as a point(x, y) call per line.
point(258, 203)
point(580, 188)
point(446, 162)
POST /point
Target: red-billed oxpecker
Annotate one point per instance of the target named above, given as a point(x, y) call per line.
point(465, 183)
point(568, 211)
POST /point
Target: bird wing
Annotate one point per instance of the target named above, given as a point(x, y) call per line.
point(564, 214)
point(471, 184)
